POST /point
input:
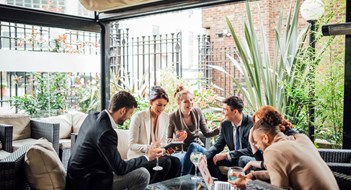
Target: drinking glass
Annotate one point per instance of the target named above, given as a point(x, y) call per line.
point(156, 148)
point(181, 136)
point(195, 158)
point(233, 170)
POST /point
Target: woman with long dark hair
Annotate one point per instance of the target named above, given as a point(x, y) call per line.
point(148, 128)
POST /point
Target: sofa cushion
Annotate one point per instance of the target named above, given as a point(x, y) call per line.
point(20, 123)
point(78, 118)
point(65, 144)
point(4, 154)
point(19, 143)
point(65, 122)
point(123, 139)
point(43, 167)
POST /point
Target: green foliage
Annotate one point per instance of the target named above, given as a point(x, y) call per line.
point(48, 96)
point(87, 93)
point(330, 103)
point(265, 77)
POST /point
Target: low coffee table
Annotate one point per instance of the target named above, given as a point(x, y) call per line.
point(181, 183)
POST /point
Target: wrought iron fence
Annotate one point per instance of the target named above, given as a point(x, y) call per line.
point(215, 55)
point(21, 37)
point(138, 61)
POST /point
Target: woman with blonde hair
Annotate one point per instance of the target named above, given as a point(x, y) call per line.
point(190, 119)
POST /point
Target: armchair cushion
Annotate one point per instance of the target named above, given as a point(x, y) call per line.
point(77, 120)
point(65, 122)
point(3, 154)
point(20, 123)
point(19, 143)
point(123, 142)
point(43, 167)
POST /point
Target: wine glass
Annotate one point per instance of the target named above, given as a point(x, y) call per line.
point(195, 158)
point(181, 136)
point(156, 148)
point(232, 171)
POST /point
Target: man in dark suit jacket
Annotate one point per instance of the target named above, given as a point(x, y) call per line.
point(234, 133)
point(95, 162)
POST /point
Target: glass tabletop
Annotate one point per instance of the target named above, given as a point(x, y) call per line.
point(181, 183)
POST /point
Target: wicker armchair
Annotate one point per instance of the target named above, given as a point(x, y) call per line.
point(339, 160)
point(6, 137)
point(12, 174)
point(50, 131)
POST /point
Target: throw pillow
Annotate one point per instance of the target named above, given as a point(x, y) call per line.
point(43, 167)
point(20, 123)
point(65, 122)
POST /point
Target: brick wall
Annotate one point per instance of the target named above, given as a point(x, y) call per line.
point(265, 11)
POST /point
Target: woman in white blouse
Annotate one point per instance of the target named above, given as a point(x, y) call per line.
point(149, 127)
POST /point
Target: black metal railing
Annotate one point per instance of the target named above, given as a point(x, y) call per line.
point(139, 61)
point(21, 37)
point(215, 55)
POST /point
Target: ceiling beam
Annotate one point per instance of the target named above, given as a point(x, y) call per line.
point(44, 18)
point(157, 7)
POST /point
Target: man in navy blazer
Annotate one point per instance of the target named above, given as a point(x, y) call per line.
point(234, 133)
point(95, 162)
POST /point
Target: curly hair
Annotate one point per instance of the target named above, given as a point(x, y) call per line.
point(269, 123)
point(260, 114)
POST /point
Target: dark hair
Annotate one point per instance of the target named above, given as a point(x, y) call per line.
point(178, 89)
point(269, 123)
point(157, 92)
point(234, 102)
point(122, 99)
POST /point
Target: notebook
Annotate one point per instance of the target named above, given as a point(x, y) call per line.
point(212, 185)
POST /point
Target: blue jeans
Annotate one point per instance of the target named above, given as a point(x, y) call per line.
point(243, 160)
point(187, 165)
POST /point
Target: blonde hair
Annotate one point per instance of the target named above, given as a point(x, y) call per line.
point(179, 92)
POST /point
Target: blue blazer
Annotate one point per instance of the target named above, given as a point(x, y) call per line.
point(226, 138)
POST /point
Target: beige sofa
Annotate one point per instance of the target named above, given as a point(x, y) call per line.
point(70, 123)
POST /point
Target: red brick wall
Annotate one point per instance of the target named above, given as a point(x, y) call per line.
point(267, 11)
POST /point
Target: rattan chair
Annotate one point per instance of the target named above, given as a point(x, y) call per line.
point(39, 129)
point(339, 160)
point(6, 137)
point(12, 174)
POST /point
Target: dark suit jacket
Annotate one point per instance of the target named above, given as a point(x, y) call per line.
point(226, 138)
point(95, 157)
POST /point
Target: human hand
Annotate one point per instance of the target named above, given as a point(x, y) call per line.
point(154, 151)
point(241, 180)
point(181, 135)
point(219, 157)
point(256, 164)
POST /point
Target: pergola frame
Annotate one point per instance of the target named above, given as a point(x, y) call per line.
point(101, 24)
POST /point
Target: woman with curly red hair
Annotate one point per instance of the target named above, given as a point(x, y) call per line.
point(292, 162)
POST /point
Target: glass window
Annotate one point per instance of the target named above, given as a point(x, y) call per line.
point(71, 7)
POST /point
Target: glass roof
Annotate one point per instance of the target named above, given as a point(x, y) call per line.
point(70, 7)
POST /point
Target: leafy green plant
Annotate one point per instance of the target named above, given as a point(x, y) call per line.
point(48, 96)
point(264, 76)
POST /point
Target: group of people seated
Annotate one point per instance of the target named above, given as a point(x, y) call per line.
point(265, 145)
